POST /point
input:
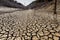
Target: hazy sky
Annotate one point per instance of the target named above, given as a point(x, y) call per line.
point(25, 2)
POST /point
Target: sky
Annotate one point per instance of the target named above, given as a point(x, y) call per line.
point(25, 2)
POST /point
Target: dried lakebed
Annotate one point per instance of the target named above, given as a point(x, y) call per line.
point(28, 26)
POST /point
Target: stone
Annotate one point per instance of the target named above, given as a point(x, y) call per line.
point(33, 34)
point(44, 26)
point(50, 39)
point(56, 38)
point(50, 36)
point(57, 34)
point(28, 34)
point(41, 33)
point(42, 38)
point(3, 31)
point(35, 38)
point(18, 38)
point(4, 36)
point(52, 30)
point(46, 37)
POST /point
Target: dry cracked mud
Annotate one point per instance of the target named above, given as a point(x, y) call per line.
point(28, 26)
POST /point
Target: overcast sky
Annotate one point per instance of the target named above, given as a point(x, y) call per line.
point(25, 2)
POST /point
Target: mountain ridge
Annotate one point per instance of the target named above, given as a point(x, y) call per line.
point(14, 4)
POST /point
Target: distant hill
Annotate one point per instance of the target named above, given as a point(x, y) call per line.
point(38, 4)
point(14, 4)
point(11, 3)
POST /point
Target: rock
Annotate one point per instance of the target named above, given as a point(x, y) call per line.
point(18, 38)
point(35, 38)
point(50, 39)
point(56, 38)
point(52, 31)
point(57, 34)
point(50, 36)
point(41, 33)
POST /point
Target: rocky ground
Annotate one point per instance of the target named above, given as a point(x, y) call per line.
point(29, 25)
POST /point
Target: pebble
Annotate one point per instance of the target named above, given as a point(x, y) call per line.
point(3, 31)
point(56, 38)
point(52, 30)
point(18, 38)
point(32, 28)
point(41, 33)
point(50, 36)
point(57, 34)
point(4, 36)
point(35, 38)
point(50, 39)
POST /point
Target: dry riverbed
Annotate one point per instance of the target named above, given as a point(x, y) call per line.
point(29, 25)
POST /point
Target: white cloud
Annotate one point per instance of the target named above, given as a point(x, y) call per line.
point(25, 2)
